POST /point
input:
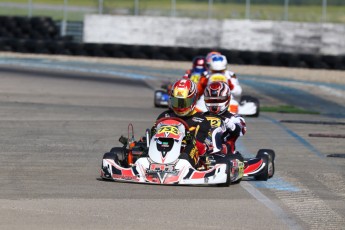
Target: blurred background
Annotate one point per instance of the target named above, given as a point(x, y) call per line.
point(290, 10)
point(64, 20)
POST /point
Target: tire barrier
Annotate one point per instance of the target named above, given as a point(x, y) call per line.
point(35, 28)
point(40, 35)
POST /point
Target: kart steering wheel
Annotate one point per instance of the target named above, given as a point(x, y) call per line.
point(175, 119)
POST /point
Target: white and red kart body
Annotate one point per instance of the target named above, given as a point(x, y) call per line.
point(161, 165)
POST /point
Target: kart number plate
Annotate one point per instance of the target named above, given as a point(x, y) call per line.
point(169, 129)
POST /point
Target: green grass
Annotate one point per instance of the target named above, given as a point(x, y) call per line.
point(188, 9)
point(286, 109)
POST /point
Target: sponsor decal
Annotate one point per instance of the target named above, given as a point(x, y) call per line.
point(161, 168)
point(197, 119)
point(215, 122)
point(161, 171)
point(218, 77)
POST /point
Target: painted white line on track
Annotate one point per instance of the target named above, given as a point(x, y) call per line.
point(288, 220)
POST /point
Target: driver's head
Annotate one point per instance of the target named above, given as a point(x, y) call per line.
point(217, 97)
point(199, 64)
point(218, 63)
point(183, 97)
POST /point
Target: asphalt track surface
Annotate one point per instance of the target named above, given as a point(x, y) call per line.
point(56, 124)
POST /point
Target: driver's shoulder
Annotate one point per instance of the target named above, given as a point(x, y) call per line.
point(166, 113)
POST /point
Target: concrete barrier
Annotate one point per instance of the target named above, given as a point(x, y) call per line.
point(243, 35)
point(52, 45)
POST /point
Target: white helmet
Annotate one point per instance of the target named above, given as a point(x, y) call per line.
point(209, 57)
point(218, 63)
point(217, 97)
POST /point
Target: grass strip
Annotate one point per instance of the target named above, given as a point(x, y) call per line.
point(286, 109)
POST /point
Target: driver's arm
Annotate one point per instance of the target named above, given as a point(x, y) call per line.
point(201, 134)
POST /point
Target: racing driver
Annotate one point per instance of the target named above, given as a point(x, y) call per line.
point(218, 65)
point(198, 69)
point(217, 99)
point(183, 97)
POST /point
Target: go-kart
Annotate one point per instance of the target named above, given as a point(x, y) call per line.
point(248, 105)
point(156, 160)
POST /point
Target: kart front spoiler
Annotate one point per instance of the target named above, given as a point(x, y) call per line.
point(179, 173)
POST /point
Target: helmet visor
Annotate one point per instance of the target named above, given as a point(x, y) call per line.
point(181, 103)
point(212, 100)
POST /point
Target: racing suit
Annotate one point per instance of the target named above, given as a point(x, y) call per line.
point(231, 80)
point(195, 75)
point(198, 128)
point(234, 126)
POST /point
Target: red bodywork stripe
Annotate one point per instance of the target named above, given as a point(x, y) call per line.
point(198, 175)
point(253, 167)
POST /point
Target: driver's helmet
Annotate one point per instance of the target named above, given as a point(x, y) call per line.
point(209, 57)
point(217, 97)
point(183, 97)
point(218, 63)
point(199, 64)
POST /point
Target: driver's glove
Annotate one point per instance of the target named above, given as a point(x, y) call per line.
point(229, 124)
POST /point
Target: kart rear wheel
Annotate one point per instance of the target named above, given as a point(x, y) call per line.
point(268, 155)
point(247, 98)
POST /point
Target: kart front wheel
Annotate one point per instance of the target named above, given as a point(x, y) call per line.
point(117, 154)
point(268, 156)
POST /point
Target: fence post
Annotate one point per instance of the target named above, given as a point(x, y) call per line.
point(136, 7)
point(64, 20)
point(173, 8)
point(286, 10)
point(29, 8)
point(100, 6)
point(324, 10)
point(247, 9)
point(210, 6)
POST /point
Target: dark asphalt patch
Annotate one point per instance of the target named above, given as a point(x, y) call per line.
point(326, 135)
point(74, 76)
point(313, 122)
point(337, 155)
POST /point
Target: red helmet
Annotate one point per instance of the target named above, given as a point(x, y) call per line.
point(183, 97)
point(217, 97)
point(199, 64)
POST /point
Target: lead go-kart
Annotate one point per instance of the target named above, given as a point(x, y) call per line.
point(156, 160)
point(248, 105)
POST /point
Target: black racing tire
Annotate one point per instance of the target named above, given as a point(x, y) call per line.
point(255, 101)
point(269, 156)
point(118, 154)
